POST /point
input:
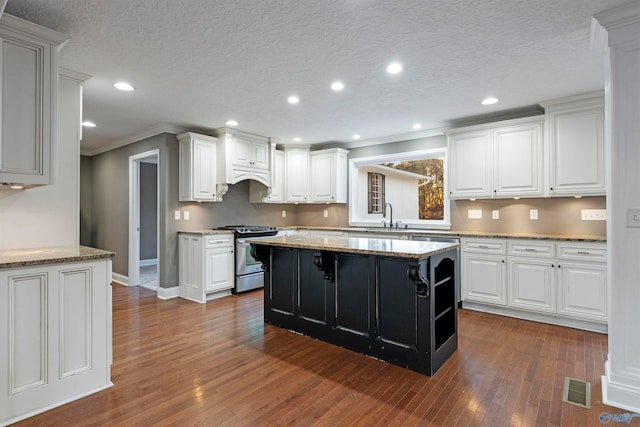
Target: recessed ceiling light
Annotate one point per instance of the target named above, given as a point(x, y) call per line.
point(293, 99)
point(296, 139)
point(124, 86)
point(394, 68)
point(489, 101)
point(337, 86)
point(356, 136)
point(417, 126)
point(88, 124)
point(231, 123)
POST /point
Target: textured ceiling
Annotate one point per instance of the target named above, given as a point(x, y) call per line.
point(198, 63)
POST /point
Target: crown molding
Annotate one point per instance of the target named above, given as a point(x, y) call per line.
point(130, 139)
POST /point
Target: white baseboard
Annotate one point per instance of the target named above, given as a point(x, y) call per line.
point(168, 293)
point(55, 405)
point(120, 279)
point(150, 261)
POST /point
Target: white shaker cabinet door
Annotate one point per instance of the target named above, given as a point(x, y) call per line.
point(219, 272)
point(518, 164)
point(576, 141)
point(583, 290)
point(532, 284)
point(484, 279)
point(470, 165)
point(297, 175)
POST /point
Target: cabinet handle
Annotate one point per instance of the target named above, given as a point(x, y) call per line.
point(483, 247)
point(584, 253)
point(559, 266)
point(530, 250)
point(551, 188)
point(503, 261)
point(552, 266)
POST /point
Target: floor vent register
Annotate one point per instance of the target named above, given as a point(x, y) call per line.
point(577, 392)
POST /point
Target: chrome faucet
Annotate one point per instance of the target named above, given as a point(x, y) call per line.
point(384, 214)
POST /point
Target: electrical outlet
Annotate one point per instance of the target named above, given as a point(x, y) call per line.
point(593, 214)
point(495, 214)
point(185, 215)
point(633, 218)
point(326, 213)
point(176, 215)
point(474, 214)
point(533, 213)
point(284, 214)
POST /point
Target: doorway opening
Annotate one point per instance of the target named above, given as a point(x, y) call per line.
point(144, 215)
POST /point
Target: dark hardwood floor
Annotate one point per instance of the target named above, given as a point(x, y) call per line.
point(181, 363)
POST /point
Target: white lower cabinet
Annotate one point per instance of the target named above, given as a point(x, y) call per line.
point(532, 284)
point(55, 335)
point(205, 266)
point(582, 281)
point(554, 282)
point(218, 267)
point(484, 278)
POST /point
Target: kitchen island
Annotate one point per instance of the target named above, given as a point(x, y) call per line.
point(390, 299)
point(55, 332)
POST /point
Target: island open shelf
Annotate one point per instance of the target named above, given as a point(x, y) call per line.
point(390, 299)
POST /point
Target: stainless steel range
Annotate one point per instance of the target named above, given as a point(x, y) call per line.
point(249, 273)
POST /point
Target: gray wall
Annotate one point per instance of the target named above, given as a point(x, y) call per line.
point(148, 211)
point(109, 206)
point(86, 183)
point(107, 213)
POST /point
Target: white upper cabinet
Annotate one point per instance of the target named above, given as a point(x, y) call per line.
point(28, 96)
point(259, 193)
point(518, 157)
point(242, 156)
point(197, 168)
point(575, 140)
point(296, 174)
point(470, 165)
point(277, 179)
point(503, 159)
point(328, 177)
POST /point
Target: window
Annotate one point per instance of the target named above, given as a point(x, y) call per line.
point(414, 183)
point(376, 192)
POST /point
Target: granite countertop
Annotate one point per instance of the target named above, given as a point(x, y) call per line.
point(206, 232)
point(358, 245)
point(13, 258)
point(453, 233)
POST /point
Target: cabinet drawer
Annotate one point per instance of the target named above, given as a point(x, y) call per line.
point(219, 240)
point(583, 252)
point(485, 246)
point(532, 249)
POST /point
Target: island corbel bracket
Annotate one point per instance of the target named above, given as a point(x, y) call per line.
point(422, 283)
point(261, 253)
point(325, 262)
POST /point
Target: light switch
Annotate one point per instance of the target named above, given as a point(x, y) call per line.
point(495, 214)
point(177, 215)
point(185, 215)
point(474, 214)
point(633, 218)
point(593, 214)
point(533, 213)
point(284, 214)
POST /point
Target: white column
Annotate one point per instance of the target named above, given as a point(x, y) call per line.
point(621, 26)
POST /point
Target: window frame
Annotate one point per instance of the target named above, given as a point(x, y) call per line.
point(356, 220)
point(381, 191)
